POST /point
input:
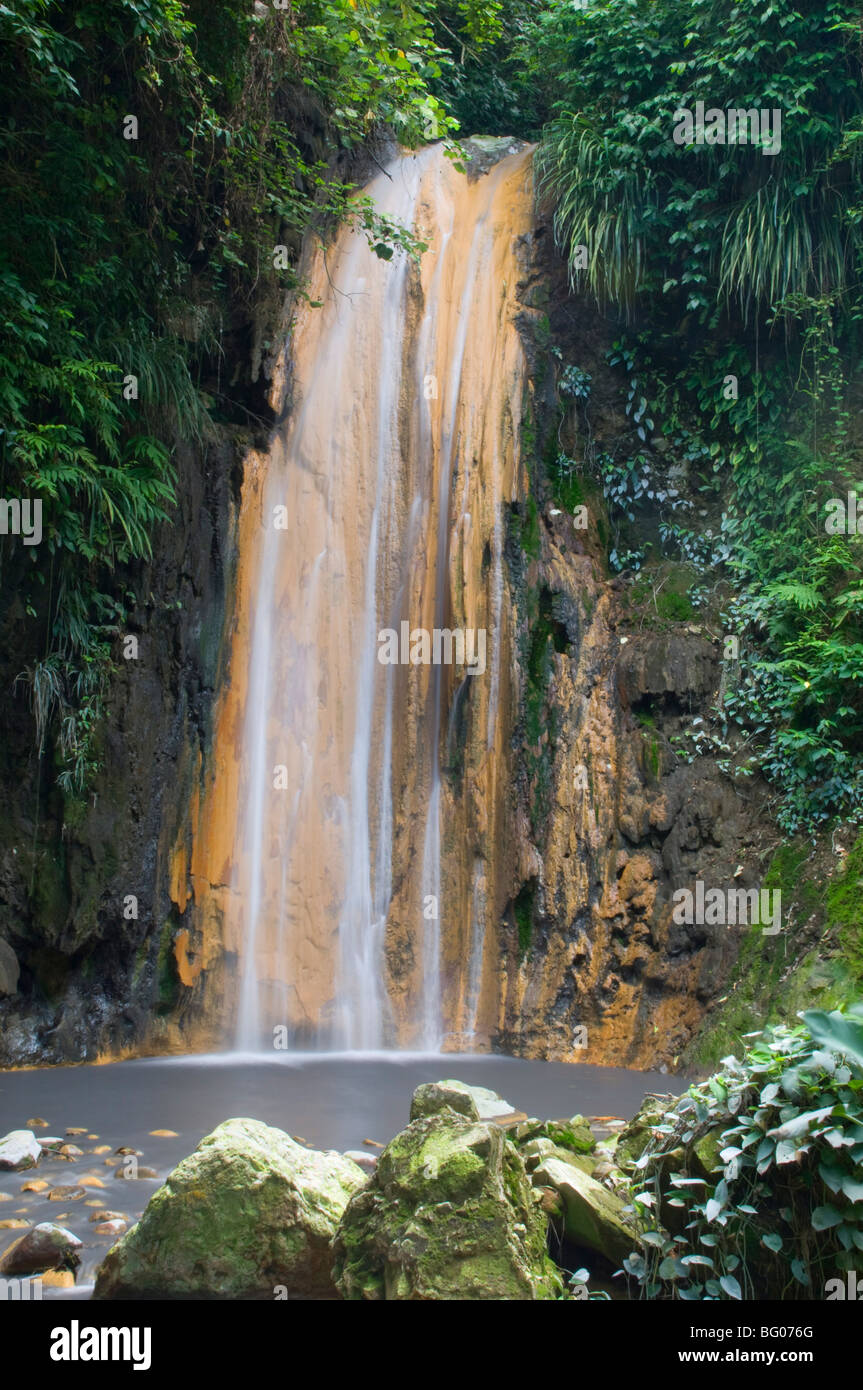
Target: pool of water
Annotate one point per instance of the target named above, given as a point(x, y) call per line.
point(330, 1101)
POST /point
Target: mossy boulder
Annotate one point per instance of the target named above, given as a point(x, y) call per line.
point(593, 1216)
point(574, 1135)
point(634, 1139)
point(248, 1212)
point(476, 1102)
point(449, 1214)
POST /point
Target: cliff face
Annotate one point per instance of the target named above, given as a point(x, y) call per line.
point(271, 793)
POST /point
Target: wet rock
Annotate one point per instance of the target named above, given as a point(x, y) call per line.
point(110, 1228)
point(14, 1223)
point(8, 969)
point(46, 1246)
point(593, 1216)
point(164, 1134)
point(37, 1123)
point(476, 1102)
point(248, 1211)
point(35, 1185)
point(368, 1162)
point(19, 1149)
point(66, 1194)
point(105, 1215)
point(76, 1129)
point(449, 1214)
point(133, 1173)
point(70, 1151)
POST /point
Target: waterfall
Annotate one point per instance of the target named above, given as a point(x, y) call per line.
point(337, 855)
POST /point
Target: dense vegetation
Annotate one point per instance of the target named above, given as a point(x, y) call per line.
point(751, 1187)
point(733, 273)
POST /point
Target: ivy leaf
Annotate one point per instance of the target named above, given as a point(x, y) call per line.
point(825, 1217)
point(729, 1285)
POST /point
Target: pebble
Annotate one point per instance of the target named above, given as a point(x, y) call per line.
point(14, 1223)
point(37, 1123)
point(105, 1215)
point(77, 1129)
point(89, 1181)
point(66, 1194)
point(110, 1228)
point(137, 1173)
point(71, 1151)
point(35, 1185)
point(126, 1150)
point(102, 1149)
point(164, 1134)
point(373, 1144)
point(57, 1279)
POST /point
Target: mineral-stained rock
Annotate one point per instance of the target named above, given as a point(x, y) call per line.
point(46, 1246)
point(19, 1149)
point(593, 1216)
point(449, 1214)
point(247, 1212)
point(476, 1102)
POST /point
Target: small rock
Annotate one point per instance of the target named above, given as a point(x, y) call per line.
point(57, 1279)
point(110, 1228)
point(136, 1173)
point(105, 1215)
point(50, 1141)
point(66, 1194)
point(71, 1151)
point(126, 1150)
point(102, 1149)
point(164, 1134)
point(14, 1223)
point(368, 1162)
point(35, 1185)
point(46, 1246)
point(19, 1149)
point(89, 1181)
point(37, 1123)
point(77, 1129)
point(373, 1144)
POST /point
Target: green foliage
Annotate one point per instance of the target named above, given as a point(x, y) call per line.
point(706, 226)
point(752, 1187)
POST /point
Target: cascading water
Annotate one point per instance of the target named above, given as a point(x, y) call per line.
point(339, 853)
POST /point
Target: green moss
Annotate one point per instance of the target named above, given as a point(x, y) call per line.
point(775, 978)
point(168, 981)
point(523, 913)
point(845, 915)
point(530, 530)
point(674, 608)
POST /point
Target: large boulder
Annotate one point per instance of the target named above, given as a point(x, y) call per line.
point(476, 1102)
point(44, 1247)
point(449, 1214)
point(248, 1214)
point(593, 1216)
point(19, 1149)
